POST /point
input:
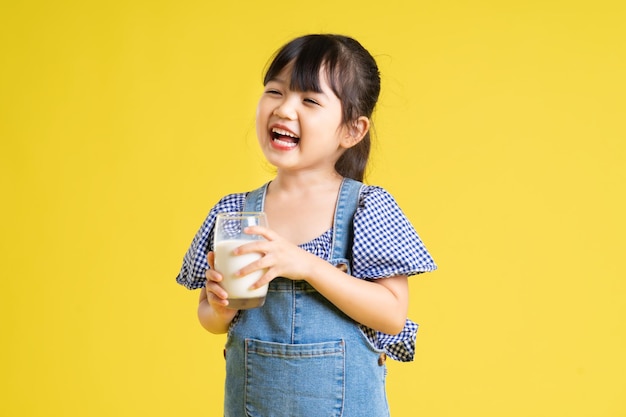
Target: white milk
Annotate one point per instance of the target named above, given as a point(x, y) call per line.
point(227, 264)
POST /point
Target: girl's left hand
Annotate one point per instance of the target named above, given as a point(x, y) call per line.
point(281, 258)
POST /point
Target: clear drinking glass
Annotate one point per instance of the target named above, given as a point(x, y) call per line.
point(228, 236)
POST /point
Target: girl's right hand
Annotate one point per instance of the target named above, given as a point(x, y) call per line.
point(214, 296)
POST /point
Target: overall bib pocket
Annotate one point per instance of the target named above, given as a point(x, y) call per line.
point(286, 380)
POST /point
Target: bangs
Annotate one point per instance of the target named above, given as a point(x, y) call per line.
point(306, 57)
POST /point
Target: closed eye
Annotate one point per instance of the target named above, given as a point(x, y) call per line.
point(311, 101)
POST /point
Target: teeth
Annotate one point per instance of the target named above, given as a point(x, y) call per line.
point(284, 133)
point(286, 144)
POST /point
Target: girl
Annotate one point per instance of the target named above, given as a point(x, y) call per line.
point(337, 253)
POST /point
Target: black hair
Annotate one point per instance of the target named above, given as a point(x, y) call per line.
point(352, 74)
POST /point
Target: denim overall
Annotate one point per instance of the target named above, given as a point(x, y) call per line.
point(298, 355)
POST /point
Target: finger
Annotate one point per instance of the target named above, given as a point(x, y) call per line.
point(261, 231)
point(260, 246)
point(210, 257)
point(262, 263)
point(216, 289)
point(267, 277)
point(215, 300)
point(213, 275)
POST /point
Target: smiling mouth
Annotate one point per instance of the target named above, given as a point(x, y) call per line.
point(284, 138)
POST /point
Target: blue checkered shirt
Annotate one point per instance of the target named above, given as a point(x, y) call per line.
point(385, 244)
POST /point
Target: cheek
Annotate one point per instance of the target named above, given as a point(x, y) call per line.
point(261, 119)
point(259, 106)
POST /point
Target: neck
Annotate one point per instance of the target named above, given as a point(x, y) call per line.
point(305, 181)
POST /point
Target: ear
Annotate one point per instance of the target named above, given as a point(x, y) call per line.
point(355, 132)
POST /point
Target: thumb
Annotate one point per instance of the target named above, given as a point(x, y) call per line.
point(210, 257)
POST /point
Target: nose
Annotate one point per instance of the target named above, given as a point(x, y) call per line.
point(286, 110)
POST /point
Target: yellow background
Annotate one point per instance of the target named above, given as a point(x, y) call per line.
point(500, 131)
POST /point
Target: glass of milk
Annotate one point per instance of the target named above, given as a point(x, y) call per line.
point(228, 236)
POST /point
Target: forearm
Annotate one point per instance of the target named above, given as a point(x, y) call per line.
point(381, 304)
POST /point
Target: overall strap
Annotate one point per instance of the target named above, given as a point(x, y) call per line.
point(347, 204)
point(255, 200)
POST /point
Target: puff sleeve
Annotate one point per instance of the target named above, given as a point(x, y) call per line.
point(385, 243)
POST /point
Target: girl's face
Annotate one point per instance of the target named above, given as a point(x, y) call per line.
point(300, 130)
